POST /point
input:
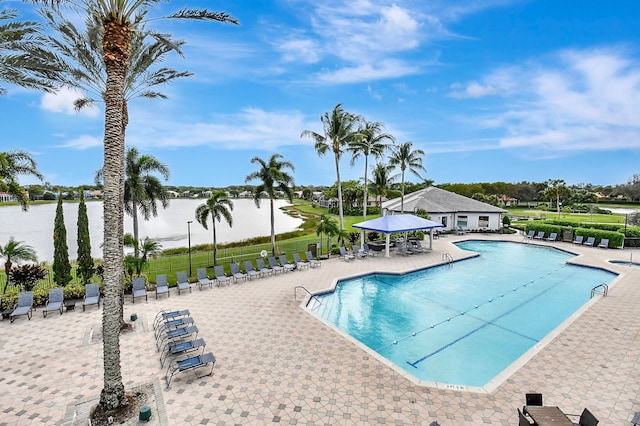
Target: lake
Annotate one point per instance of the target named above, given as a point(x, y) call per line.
point(35, 227)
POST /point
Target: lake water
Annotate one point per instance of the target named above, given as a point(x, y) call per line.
point(35, 227)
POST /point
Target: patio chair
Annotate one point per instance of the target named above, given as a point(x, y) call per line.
point(55, 301)
point(553, 236)
point(91, 296)
point(162, 286)
point(368, 250)
point(590, 241)
point(586, 418)
point(274, 265)
point(203, 278)
point(578, 240)
point(165, 315)
point(346, 256)
point(529, 236)
point(263, 268)
point(604, 243)
point(183, 282)
point(248, 269)
point(221, 277)
point(298, 261)
point(359, 254)
point(285, 263)
point(636, 419)
point(533, 399)
point(24, 306)
point(421, 248)
point(176, 335)
point(139, 289)
point(235, 272)
point(402, 251)
point(193, 363)
point(539, 235)
point(313, 262)
point(164, 329)
point(460, 231)
point(182, 348)
point(522, 419)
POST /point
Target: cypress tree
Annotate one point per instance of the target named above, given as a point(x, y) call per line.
point(85, 261)
point(61, 265)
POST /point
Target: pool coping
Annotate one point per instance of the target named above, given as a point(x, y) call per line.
point(503, 375)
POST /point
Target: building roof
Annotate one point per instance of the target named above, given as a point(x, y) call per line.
point(436, 200)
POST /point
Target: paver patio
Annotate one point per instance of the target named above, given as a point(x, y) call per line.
point(276, 363)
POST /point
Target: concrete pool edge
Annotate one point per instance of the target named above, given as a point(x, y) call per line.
point(508, 371)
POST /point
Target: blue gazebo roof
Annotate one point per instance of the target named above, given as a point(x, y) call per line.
point(397, 223)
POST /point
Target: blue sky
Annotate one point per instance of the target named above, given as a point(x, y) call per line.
point(491, 90)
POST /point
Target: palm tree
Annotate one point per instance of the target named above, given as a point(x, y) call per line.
point(273, 177)
point(17, 64)
point(12, 164)
point(371, 142)
point(382, 180)
point(119, 19)
point(145, 248)
point(218, 206)
point(329, 226)
point(16, 251)
point(339, 132)
point(142, 190)
point(403, 157)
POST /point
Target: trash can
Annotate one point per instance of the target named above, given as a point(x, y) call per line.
point(145, 414)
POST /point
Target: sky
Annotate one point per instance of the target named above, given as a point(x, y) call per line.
point(490, 90)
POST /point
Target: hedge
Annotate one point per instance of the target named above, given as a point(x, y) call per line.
point(616, 239)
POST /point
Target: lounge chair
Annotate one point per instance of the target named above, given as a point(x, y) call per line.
point(285, 263)
point(164, 329)
point(529, 236)
point(162, 286)
point(636, 419)
point(539, 235)
point(55, 302)
point(183, 282)
point(221, 277)
point(91, 296)
point(460, 231)
point(182, 348)
point(177, 335)
point(312, 261)
point(235, 272)
point(298, 261)
point(139, 289)
point(203, 278)
point(263, 268)
point(415, 246)
point(604, 243)
point(165, 315)
point(578, 240)
point(248, 269)
point(274, 265)
point(192, 363)
point(590, 241)
point(368, 250)
point(346, 256)
point(24, 306)
point(402, 251)
point(553, 236)
point(359, 254)
point(586, 418)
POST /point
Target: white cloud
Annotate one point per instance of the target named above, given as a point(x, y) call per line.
point(471, 90)
point(251, 128)
point(574, 101)
point(81, 142)
point(368, 72)
point(62, 101)
point(306, 51)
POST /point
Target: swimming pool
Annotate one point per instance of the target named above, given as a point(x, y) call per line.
point(463, 324)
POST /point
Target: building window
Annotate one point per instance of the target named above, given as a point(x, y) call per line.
point(462, 221)
point(483, 222)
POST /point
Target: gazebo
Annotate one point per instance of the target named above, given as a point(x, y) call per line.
point(399, 223)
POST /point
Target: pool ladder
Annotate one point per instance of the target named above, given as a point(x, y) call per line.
point(446, 257)
point(313, 296)
point(600, 289)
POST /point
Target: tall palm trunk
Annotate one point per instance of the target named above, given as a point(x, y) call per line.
point(135, 228)
point(340, 211)
point(215, 245)
point(364, 207)
point(116, 42)
point(402, 198)
point(273, 228)
point(7, 269)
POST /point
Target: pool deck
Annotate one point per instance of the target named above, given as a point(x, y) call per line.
point(276, 363)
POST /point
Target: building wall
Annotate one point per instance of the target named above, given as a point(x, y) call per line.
point(473, 220)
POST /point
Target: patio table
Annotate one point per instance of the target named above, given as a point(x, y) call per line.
point(548, 416)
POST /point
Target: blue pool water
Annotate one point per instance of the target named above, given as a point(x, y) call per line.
point(465, 323)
